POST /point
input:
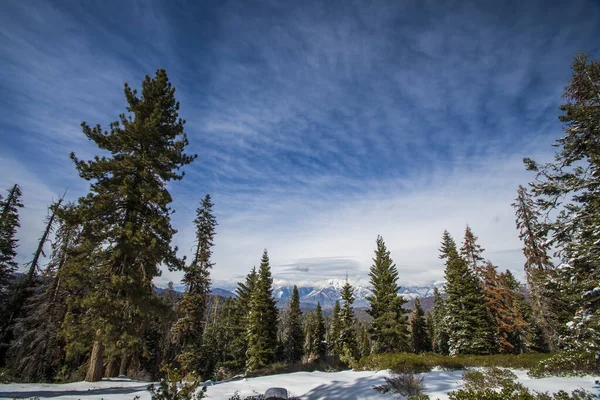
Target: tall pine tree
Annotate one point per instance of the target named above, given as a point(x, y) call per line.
point(192, 308)
point(418, 329)
point(292, 333)
point(348, 345)
point(471, 252)
point(335, 329)
point(440, 333)
point(126, 219)
point(572, 183)
point(262, 319)
point(467, 323)
point(389, 328)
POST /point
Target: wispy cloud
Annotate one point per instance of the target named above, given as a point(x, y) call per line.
point(318, 124)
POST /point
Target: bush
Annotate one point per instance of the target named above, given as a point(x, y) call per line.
point(404, 384)
point(417, 363)
point(168, 387)
point(501, 384)
point(567, 364)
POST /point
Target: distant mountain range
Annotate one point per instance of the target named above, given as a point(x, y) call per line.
point(328, 292)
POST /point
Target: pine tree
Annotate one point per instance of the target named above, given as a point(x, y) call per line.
point(466, 321)
point(37, 348)
point(418, 329)
point(190, 326)
point(347, 342)
point(292, 334)
point(262, 319)
point(333, 340)
point(319, 347)
point(440, 333)
point(9, 222)
point(430, 324)
point(572, 182)
point(539, 268)
point(364, 340)
point(389, 328)
point(126, 218)
point(506, 315)
point(471, 252)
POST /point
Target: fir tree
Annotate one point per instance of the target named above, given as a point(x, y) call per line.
point(335, 330)
point(572, 182)
point(9, 222)
point(347, 343)
point(190, 326)
point(37, 350)
point(126, 219)
point(429, 322)
point(539, 268)
point(440, 333)
point(364, 341)
point(292, 334)
point(418, 329)
point(262, 319)
point(471, 252)
point(389, 328)
point(467, 322)
point(318, 343)
point(505, 312)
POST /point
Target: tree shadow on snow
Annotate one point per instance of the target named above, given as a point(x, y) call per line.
point(438, 381)
point(41, 393)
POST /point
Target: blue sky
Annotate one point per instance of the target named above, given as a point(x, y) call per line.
point(318, 125)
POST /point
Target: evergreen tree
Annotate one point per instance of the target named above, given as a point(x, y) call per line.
point(503, 306)
point(572, 182)
point(448, 245)
point(192, 307)
point(389, 328)
point(292, 334)
point(318, 343)
point(262, 320)
point(37, 348)
point(440, 333)
point(467, 322)
point(335, 330)
point(430, 324)
point(347, 342)
point(9, 222)
point(364, 341)
point(471, 252)
point(126, 220)
point(418, 329)
point(539, 268)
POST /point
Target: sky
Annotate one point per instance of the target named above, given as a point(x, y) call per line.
point(318, 124)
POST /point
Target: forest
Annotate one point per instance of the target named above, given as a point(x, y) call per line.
point(89, 308)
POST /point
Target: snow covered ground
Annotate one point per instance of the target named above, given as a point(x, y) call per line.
point(350, 385)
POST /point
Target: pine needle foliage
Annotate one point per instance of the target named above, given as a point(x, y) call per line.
point(389, 328)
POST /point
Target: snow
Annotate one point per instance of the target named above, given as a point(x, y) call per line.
point(351, 385)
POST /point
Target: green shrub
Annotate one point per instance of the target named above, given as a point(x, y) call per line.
point(567, 364)
point(168, 388)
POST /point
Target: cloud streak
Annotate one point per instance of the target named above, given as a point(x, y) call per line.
point(318, 125)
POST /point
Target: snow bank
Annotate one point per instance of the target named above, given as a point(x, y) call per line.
point(350, 385)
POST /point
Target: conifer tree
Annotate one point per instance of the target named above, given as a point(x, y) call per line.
point(503, 307)
point(262, 319)
point(429, 322)
point(333, 340)
point(539, 269)
point(389, 328)
point(572, 182)
point(318, 344)
point(126, 220)
point(292, 333)
point(467, 322)
point(9, 222)
point(36, 351)
point(364, 341)
point(471, 252)
point(347, 342)
point(440, 333)
point(418, 329)
point(190, 326)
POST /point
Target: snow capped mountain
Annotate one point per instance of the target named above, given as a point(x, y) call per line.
point(328, 292)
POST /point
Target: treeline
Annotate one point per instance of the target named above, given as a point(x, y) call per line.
point(92, 310)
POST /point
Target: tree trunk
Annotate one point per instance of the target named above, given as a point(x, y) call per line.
point(95, 369)
point(111, 370)
point(123, 366)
